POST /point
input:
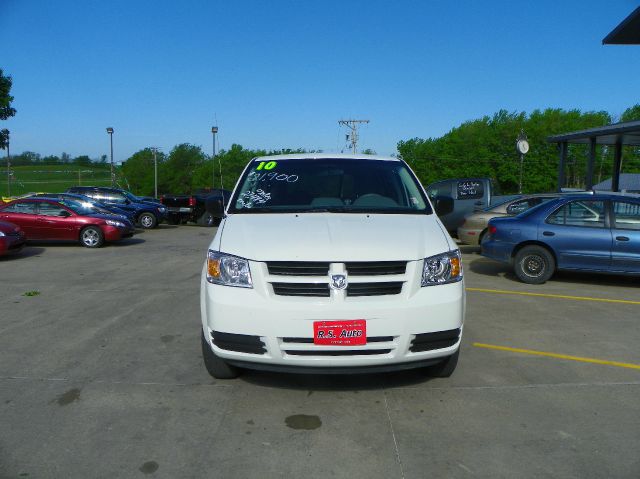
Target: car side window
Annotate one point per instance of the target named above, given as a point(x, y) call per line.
point(519, 206)
point(118, 198)
point(25, 207)
point(626, 215)
point(470, 190)
point(579, 213)
point(49, 209)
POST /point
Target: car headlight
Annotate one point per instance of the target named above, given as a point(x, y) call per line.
point(119, 224)
point(162, 209)
point(2, 234)
point(442, 269)
point(228, 270)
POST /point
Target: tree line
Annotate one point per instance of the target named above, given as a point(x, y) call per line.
point(481, 147)
point(486, 147)
point(29, 158)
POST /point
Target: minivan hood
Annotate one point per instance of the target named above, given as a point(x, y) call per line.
point(334, 237)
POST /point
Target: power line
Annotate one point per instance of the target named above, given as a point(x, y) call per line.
point(352, 137)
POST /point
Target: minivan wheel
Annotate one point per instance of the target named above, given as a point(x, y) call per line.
point(92, 237)
point(216, 367)
point(147, 220)
point(534, 265)
point(445, 368)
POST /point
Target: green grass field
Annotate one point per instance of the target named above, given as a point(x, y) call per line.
point(52, 178)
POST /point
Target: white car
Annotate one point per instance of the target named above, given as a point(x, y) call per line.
point(330, 264)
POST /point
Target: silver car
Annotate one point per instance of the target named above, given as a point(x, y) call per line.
point(475, 224)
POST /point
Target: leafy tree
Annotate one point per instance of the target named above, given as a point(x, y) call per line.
point(486, 147)
point(6, 111)
point(82, 160)
point(631, 114)
point(139, 171)
point(178, 171)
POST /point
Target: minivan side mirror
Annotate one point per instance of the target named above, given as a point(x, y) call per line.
point(443, 205)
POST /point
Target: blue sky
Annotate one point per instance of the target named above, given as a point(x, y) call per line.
point(280, 74)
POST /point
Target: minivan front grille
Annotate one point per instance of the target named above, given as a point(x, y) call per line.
point(298, 268)
point(301, 289)
point(374, 289)
point(339, 352)
point(375, 268)
point(370, 339)
point(322, 289)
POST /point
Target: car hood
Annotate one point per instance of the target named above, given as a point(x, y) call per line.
point(332, 237)
point(104, 216)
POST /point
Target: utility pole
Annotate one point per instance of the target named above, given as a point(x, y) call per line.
point(214, 130)
point(8, 165)
point(155, 171)
point(113, 175)
point(353, 136)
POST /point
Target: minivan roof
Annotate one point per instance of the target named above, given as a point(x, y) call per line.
point(322, 156)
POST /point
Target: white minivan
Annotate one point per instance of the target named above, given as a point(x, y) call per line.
point(329, 263)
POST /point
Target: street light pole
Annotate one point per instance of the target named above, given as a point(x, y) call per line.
point(8, 166)
point(110, 132)
point(214, 130)
point(155, 171)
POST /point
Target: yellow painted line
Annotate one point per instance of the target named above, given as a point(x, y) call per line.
point(558, 296)
point(559, 356)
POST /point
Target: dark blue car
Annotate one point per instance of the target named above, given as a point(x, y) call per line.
point(148, 214)
point(85, 199)
point(591, 233)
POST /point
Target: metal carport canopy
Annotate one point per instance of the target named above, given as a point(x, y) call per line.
point(627, 33)
point(618, 135)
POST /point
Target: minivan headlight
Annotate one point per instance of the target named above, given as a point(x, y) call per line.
point(442, 269)
point(228, 270)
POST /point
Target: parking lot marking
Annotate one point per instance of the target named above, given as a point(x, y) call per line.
point(558, 356)
point(558, 296)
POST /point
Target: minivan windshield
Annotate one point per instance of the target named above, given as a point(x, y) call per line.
point(337, 185)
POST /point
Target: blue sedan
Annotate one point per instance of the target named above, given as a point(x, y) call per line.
point(591, 233)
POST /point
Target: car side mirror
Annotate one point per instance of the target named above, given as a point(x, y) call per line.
point(443, 205)
point(215, 207)
point(64, 214)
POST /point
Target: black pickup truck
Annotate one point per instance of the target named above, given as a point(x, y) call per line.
point(192, 208)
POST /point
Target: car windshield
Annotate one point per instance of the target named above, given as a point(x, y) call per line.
point(131, 197)
point(83, 207)
point(340, 185)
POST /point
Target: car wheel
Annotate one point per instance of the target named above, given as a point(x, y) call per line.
point(92, 237)
point(534, 265)
point(206, 219)
point(445, 368)
point(216, 367)
point(147, 220)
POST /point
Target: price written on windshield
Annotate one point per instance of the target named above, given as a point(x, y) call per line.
point(273, 176)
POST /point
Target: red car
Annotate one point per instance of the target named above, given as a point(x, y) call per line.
point(12, 238)
point(47, 219)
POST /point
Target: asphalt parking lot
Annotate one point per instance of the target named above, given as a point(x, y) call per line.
point(101, 377)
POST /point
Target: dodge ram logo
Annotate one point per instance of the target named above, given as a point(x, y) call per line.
point(338, 282)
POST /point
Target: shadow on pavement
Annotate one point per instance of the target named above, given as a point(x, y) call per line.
point(27, 252)
point(336, 382)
